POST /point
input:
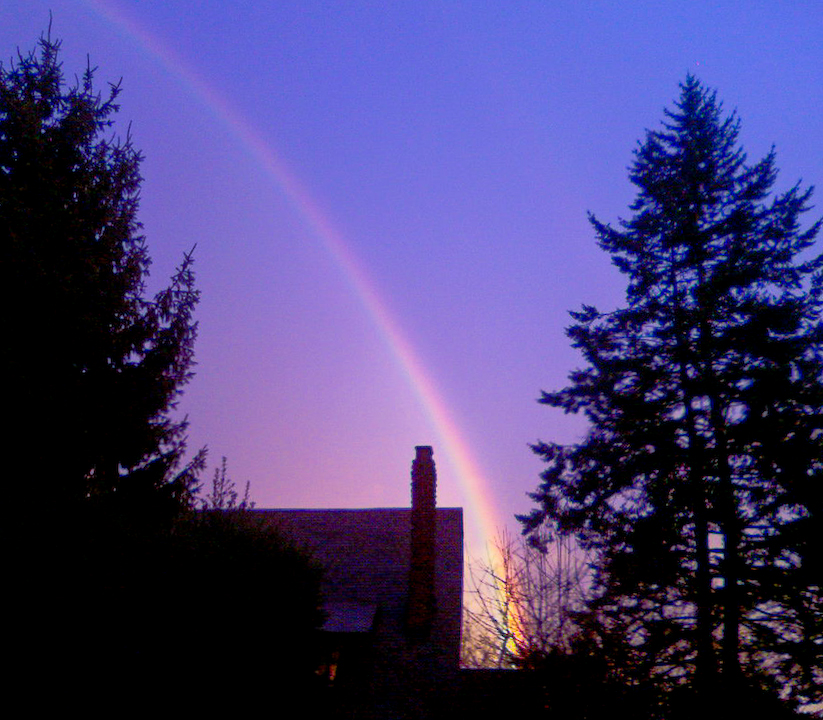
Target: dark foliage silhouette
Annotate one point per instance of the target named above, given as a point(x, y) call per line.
point(94, 368)
point(124, 595)
point(698, 486)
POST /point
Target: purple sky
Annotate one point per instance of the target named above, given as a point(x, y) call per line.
point(358, 175)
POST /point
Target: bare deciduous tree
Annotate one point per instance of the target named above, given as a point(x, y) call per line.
point(524, 601)
point(224, 495)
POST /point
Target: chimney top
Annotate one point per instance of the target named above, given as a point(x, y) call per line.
point(423, 451)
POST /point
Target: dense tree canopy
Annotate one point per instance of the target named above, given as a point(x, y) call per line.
point(700, 482)
point(93, 368)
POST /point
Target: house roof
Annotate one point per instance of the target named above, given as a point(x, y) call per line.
point(348, 616)
point(365, 555)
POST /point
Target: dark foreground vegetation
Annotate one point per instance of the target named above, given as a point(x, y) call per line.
point(126, 592)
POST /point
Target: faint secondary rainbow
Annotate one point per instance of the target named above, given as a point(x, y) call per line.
point(430, 398)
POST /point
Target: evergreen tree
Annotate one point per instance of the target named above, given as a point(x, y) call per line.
point(700, 482)
point(92, 370)
point(123, 590)
point(92, 367)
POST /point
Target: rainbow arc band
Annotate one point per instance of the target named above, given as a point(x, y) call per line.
point(450, 441)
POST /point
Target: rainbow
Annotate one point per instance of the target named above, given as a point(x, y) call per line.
point(450, 440)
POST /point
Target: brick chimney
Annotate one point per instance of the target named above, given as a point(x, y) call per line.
point(421, 607)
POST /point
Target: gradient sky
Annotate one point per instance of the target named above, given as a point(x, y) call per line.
point(389, 205)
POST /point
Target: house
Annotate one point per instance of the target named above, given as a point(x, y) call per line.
point(392, 591)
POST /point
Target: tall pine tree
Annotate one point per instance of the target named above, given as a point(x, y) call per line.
point(92, 367)
point(92, 370)
point(700, 481)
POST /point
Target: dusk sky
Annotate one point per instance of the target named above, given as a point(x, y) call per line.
point(389, 203)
